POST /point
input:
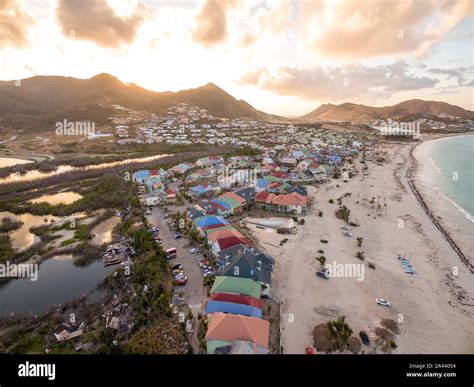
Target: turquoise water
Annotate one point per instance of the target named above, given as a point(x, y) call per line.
point(454, 159)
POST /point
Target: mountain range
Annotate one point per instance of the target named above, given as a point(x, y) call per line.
point(403, 111)
point(42, 100)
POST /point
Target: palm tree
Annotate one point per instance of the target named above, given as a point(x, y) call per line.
point(340, 329)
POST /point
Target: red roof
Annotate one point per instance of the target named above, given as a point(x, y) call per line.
point(238, 299)
point(280, 174)
point(262, 196)
point(225, 243)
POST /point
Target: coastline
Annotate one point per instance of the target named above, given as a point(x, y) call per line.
point(427, 306)
point(414, 173)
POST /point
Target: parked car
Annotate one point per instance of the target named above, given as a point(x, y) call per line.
point(344, 227)
point(309, 351)
point(364, 337)
point(182, 282)
point(347, 234)
point(177, 235)
point(177, 266)
point(382, 301)
point(194, 250)
point(203, 263)
point(322, 274)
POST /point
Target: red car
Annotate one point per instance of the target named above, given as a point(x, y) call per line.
point(309, 351)
point(182, 282)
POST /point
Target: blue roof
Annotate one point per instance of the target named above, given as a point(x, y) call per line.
point(210, 220)
point(233, 308)
point(262, 183)
point(141, 175)
point(222, 203)
point(198, 188)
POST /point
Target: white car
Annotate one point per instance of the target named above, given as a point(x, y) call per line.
point(194, 250)
point(382, 301)
point(347, 234)
point(344, 227)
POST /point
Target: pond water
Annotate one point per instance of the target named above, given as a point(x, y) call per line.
point(22, 238)
point(59, 281)
point(60, 197)
point(8, 162)
point(37, 175)
point(103, 231)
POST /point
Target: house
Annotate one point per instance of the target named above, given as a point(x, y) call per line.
point(194, 213)
point(226, 242)
point(233, 308)
point(170, 195)
point(235, 205)
point(225, 328)
point(241, 347)
point(238, 299)
point(244, 286)
point(288, 161)
point(152, 199)
point(248, 194)
point(209, 221)
point(235, 197)
point(246, 262)
point(223, 233)
point(142, 176)
point(292, 203)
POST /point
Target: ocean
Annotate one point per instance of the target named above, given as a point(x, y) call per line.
point(454, 159)
point(446, 181)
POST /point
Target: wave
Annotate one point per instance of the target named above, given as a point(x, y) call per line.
point(436, 167)
point(466, 214)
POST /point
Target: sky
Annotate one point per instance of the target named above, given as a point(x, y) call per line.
point(284, 57)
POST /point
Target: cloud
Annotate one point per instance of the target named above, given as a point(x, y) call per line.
point(13, 24)
point(359, 29)
point(339, 83)
point(211, 21)
point(96, 21)
point(457, 75)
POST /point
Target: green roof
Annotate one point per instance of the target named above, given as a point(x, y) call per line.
point(236, 285)
point(231, 202)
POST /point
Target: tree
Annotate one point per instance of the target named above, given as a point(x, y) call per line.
point(340, 329)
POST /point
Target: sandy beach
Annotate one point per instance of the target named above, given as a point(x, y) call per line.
point(434, 309)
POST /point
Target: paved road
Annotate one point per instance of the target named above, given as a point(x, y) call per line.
point(194, 293)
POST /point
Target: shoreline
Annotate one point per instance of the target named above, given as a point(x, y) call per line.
point(378, 203)
point(412, 171)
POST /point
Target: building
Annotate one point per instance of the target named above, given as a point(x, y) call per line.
point(246, 262)
point(236, 285)
point(225, 328)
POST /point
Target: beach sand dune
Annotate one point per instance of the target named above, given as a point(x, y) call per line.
point(434, 309)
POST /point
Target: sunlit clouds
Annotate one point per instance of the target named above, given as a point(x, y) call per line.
point(282, 56)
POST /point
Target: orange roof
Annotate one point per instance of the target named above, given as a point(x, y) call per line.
point(229, 327)
point(224, 234)
point(292, 199)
